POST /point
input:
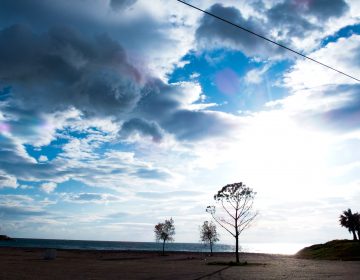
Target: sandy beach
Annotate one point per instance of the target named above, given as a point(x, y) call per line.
point(21, 263)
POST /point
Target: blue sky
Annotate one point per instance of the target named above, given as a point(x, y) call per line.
point(115, 115)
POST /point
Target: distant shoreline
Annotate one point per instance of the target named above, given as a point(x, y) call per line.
point(5, 238)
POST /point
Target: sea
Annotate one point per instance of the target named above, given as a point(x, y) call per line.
point(272, 248)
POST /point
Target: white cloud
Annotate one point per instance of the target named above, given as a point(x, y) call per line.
point(7, 181)
point(342, 55)
point(43, 158)
point(48, 187)
point(255, 76)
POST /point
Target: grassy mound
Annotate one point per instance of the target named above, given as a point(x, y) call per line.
point(345, 250)
point(5, 238)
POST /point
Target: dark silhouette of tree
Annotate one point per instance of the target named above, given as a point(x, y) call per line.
point(208, 234)
point(350, 221)
point(236, 201)
point(165, 232)
point(357, 224)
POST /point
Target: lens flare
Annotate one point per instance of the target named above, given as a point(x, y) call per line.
point(227, 81)
point(4, 128)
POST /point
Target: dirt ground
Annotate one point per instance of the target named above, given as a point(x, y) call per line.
point(17, 263)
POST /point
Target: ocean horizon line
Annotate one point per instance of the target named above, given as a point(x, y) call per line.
point(68, 244)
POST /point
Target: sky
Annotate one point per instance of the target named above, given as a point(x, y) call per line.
point(116, 115)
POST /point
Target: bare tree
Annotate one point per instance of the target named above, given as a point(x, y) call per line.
point(236, 201)
point(165, 232)
point(208, 234)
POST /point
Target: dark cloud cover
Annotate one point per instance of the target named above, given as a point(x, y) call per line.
point(214, 33)
point(56, 68)
point(287, 19)
point(121, 4)
point(142, 127)
point(291, 18)
point(60, 68)
point(324, 9)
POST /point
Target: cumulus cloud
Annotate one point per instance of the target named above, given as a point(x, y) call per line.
point(300, 24)
point(48, 187)
point(142, 127)
point(170, 105)
point(43, 158)
point(61, 68)
point(216, 34)
point(342, 54)
point(293, 18)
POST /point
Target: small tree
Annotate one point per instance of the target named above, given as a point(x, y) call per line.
point(357, 224)
point(237, 201)
point(165, 232)
point(208, 234)
point(351, 221)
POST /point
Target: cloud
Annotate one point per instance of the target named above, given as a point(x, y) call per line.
point(10, 211)
point(121, 4)
point(298, 24)
point(333, 107)
point(293, 18)
point(255, 76)
point(142, 127)
point(90, 197)
point(15, 161)
point(61, 68)
point(7, 181)
point(171, 106)
point(43, 158)
point(321, 96)
point(217, 34)
point(325, 10)
point(48, 187)
point(152, 173)
point(19, 206)
point(169, 195)
point(342, 54)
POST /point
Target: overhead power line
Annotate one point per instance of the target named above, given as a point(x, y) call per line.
point(267, 39)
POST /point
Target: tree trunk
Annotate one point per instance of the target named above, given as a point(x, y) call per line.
point(237, 248)
point(354, 235)
point(211, 253)
point(163, 248)
point(358, 235)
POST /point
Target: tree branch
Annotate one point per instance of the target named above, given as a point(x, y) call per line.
point(222, 203)
point(216, 220)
